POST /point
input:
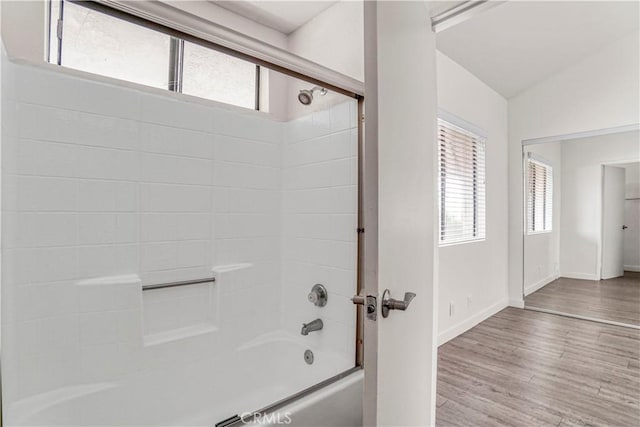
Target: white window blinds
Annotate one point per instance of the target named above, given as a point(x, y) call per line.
point(539, 196)
point(461, 184)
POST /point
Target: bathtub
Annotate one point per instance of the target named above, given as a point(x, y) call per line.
point(335, 405)
point(204, 392)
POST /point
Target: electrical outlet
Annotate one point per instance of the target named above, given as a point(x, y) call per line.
point(469, 299)
point(452, 308)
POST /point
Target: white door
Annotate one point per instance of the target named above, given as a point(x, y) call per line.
point(400, 132)
point(612, 222)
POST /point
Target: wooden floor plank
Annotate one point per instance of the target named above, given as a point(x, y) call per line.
point(527, 368)
point(616, 300)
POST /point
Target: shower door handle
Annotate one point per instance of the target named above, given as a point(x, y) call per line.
point(389, 303)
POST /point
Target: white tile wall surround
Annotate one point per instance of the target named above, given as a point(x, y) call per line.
point(45, 194)
point(39, 158)
point(156, 138)
point(107, 228)
point(107, 188)
point(172, 169)
point(106, 196)
point(41, 229)
point(173, 312)
point(76, 126)
point(319, 224)
point(109, 293)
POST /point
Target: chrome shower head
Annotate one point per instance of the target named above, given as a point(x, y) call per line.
point(306, 95)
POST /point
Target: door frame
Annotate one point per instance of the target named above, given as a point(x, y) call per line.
point(386, 400)
point(600, 256)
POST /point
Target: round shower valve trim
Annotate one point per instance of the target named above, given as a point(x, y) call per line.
point(318, 295)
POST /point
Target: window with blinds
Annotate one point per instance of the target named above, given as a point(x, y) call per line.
point(539, 196)
point(461, 184)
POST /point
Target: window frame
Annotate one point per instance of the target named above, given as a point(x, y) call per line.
point(547, 198)
point(175, 54)
point(479, 233)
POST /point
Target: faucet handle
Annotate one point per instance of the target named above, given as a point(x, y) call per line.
point(318, 295)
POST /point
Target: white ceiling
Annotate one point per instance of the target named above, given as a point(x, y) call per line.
point(283, 16)
point(517, 44)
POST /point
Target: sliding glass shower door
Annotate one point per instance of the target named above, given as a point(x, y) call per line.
point(168, 259)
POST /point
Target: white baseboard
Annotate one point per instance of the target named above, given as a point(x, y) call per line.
point(540, 284)
point(632, 268)
point(577, 316)
point(582, 276)
point(470, 322)
point(517, 303)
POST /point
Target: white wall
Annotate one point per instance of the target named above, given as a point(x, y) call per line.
point(542, 250)
point(334, 38)
point(632, 180)
point(23, 29)
point(632, 217)
point(222, 16)
point(590, 95)
point(475, 270)
point(581, 216)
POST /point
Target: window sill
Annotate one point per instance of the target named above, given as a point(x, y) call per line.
point(534, 233)
point(462, 242)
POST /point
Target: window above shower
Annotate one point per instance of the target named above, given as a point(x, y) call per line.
point(88, 40)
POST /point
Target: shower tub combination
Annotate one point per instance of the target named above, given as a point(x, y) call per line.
point(115, 193)
point(203, 393)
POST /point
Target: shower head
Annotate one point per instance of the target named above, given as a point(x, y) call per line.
point(306, 95)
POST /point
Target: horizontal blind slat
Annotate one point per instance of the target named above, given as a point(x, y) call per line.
point(461, 183)
point(539, 196)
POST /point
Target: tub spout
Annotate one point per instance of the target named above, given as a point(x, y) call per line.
point(314, 325)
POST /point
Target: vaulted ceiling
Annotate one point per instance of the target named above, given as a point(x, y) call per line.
point(517, 44)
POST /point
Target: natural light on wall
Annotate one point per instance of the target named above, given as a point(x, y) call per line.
point(98, 43)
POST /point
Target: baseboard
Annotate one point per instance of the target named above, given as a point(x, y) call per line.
point(577, 316)
point(540, 284)
point(517, 303)
point(632, 268)
point(470, 322)
point(581, 276)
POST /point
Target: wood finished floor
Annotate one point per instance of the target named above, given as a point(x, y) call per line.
point(525, 368)
point(616, 299)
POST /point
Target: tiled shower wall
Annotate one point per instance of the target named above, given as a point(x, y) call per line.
point(106, 188)
point(319, 182)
